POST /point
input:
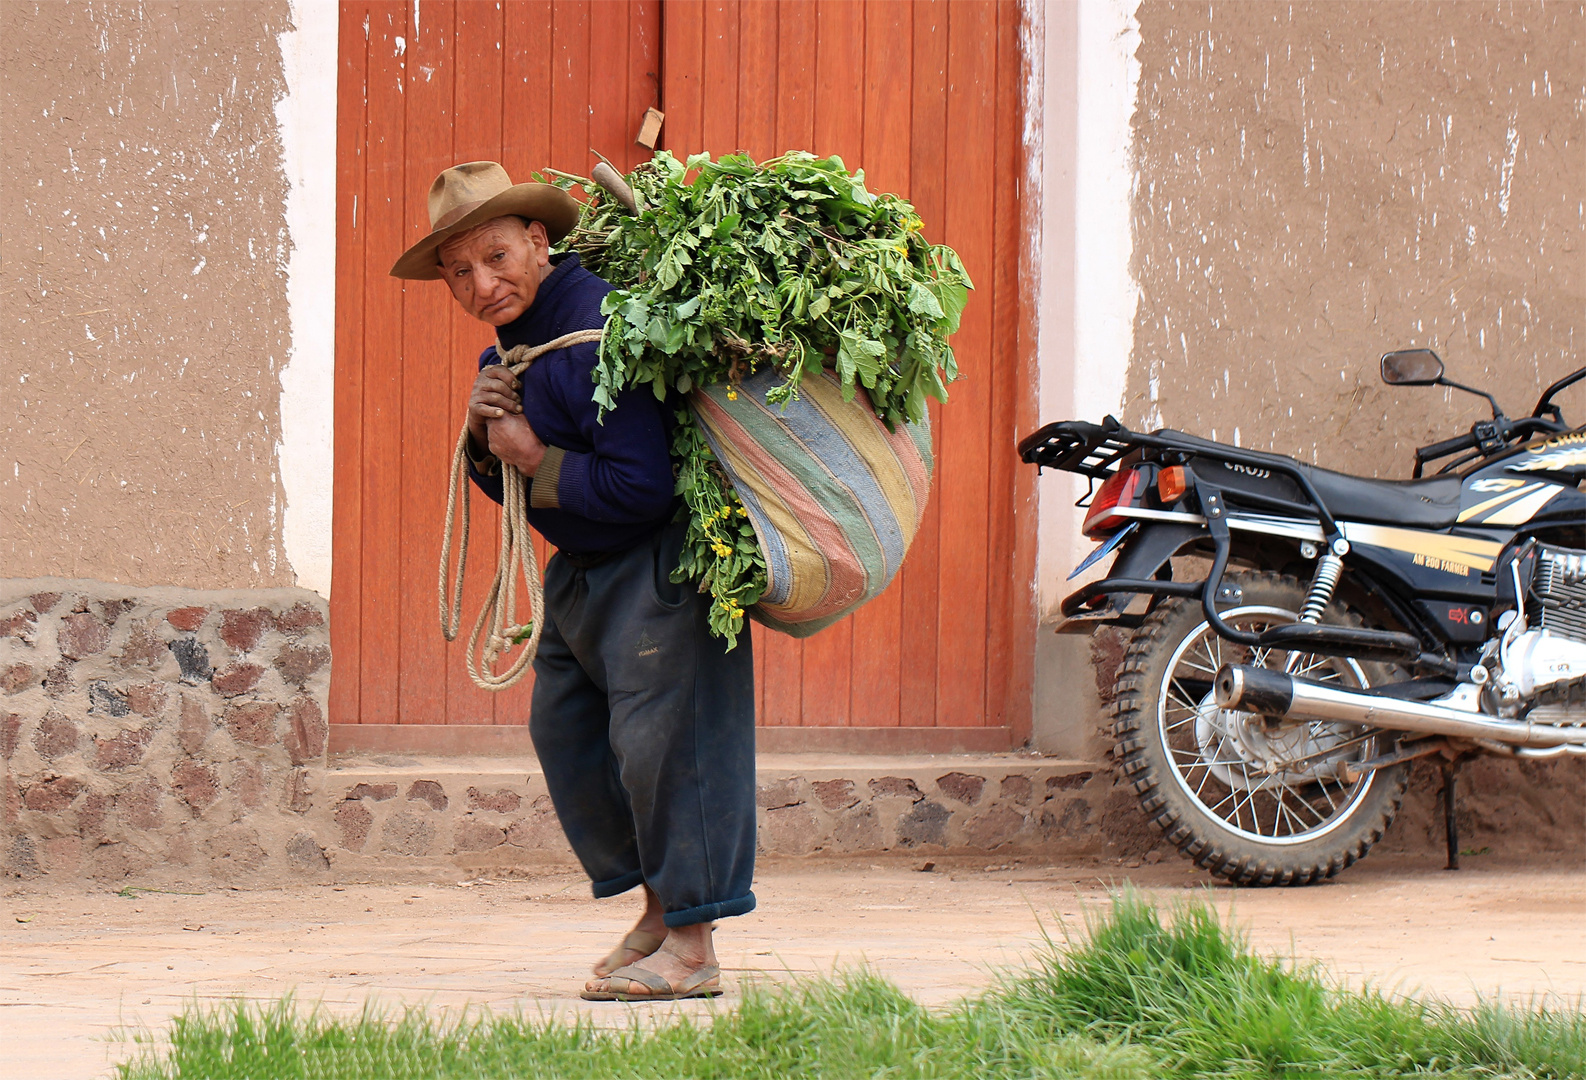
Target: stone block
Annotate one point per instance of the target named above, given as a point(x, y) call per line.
point(193, 660)
point(81, 635)
point(44, 602)
point(122, 750)
point(52, 795)
point(479, 836)
point(1067, 782)
point(376, 792)
point(112, 610)
point(19, 624)
point(10, 734)
point(138, 804)
point(298, 618)
point(247, 783)
point(501, 801)
point(236, 679)
point(63, 855)
point(304, 854)
point(899, 786)
point(253, 723)
point(146, 699)
point(22, 860)
point(105, 701)
point(143, 647)
point(195, 725)
point(93, 816)
point(56, 737)
point(297, 663)
point(835, 794)
point(117, 861)
point(790, 830)
point(58, 679)
point(196, 783)
point(925, 824)
point(354, 820)
point(858, 831)
point(15, 678)
point(243, 629)
point(994, 828)
point(1017, 788)
point(428, 791)
point(235, 848)
point(778, 793)
point(300, 790)
point(964, 787)
point(408, 833)
point(306, 731)
point(187, 618)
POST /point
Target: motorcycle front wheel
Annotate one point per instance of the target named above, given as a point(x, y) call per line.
point(1253, 800)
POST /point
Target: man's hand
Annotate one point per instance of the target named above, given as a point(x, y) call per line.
point(495, 396)
point(496, 423)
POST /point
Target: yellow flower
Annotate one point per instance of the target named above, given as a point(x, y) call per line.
point(901, 249)
point(743, 512)
point(732, 395)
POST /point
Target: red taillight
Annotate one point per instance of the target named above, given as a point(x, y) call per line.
point(1118, 490)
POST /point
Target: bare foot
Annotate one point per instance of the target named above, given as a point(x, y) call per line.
point(686, 950)
point(651, 930)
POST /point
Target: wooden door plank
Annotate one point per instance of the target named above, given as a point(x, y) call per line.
point(971, 117)
point(1010, 634)
point(839, 129)
point(526, 88)
point(426, 338)
point(644, 74)
point(476, 136)
point(757, 72)
point(569, 60)
point(718, 79)
point(927, 190)
point(346, 501)
point(388, 234)
point(682, 46)
point(879, 650)
point(797, 48)
point(610, 33)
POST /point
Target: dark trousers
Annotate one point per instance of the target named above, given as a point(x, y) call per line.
point(644, 725)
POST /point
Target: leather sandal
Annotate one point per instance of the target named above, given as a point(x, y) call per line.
point(704, 983)
point(640, 941)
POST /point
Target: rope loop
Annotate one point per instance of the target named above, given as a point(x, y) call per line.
point(497, 629)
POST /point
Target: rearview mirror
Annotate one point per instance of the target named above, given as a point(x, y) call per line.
point(1412, 367)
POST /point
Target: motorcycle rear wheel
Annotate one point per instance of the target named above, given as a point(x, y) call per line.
point(1254, 802)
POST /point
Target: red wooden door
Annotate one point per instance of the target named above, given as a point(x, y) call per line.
point(924, 96)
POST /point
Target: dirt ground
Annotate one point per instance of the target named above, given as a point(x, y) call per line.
point(79, 970)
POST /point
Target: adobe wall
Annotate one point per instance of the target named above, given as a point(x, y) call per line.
point(143, 284)
point(1319, 183)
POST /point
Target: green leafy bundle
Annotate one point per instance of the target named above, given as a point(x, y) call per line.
point(731, 267)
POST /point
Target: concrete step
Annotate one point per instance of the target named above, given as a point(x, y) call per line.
point(379, 816)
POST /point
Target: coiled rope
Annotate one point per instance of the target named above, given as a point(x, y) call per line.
point(515, 556)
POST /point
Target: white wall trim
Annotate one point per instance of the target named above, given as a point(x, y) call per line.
point(307, 119)
point(1087, 307)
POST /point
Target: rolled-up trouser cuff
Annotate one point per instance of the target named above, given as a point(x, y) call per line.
point(618, 885)
point(710, 912)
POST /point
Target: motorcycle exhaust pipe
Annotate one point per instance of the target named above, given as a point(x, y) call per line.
point(1274, 693)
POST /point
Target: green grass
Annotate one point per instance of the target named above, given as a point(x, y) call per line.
point(1140, 997)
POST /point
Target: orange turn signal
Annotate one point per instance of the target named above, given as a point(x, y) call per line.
point(1171, 484)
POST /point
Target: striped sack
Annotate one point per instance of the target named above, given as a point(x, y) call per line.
point(835, 498)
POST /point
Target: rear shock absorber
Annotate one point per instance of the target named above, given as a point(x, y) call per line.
point(1328, 570)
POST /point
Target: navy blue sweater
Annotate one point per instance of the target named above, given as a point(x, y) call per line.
point(602, 487)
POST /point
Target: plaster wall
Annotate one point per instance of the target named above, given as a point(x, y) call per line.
point(1319, 183)
point(157, 173)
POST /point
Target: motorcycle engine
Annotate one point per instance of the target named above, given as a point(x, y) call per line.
point(1543, 660)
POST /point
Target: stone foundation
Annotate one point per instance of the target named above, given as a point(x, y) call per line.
point(166, 732)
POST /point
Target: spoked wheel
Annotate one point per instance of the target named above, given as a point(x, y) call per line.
point(1253, 800)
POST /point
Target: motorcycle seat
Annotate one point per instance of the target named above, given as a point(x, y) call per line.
point(1429, 503)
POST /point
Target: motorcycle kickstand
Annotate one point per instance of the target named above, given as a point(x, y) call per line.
point(1450, 821)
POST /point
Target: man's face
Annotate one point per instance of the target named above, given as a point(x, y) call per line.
point(495, 269)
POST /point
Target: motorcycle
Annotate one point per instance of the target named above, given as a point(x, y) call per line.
point(1267, 712)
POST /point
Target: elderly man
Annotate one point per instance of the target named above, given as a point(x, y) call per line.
point(643, 722)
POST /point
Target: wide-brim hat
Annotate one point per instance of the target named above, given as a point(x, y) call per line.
point(467, 195)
